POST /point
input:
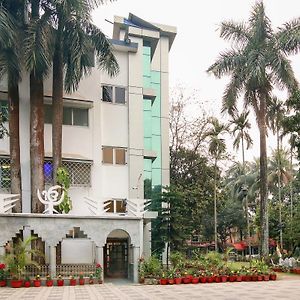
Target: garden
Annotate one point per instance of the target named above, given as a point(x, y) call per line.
point(208, 268)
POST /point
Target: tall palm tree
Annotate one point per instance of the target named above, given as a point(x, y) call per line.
point(280, 174)
point(255, 64)
point(275, 117)
point(38, 50)
point(240, 131)
point(216, 148)
point(76, 38)
point(12, 24)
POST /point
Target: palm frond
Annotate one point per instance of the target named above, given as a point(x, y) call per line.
point(235, 32)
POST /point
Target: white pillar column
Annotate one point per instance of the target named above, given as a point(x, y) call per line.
point(136, 256)
point(52, 260)
point(99, 259)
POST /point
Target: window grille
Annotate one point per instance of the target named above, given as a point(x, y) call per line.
point(5, 174)
point(79, 172)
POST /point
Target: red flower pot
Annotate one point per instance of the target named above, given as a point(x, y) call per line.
point(195, 280)
point(16, 283)
point(254, 277)
point(2, 283)
point(60, 282)
point(224, 278)
point(202, 279)
point(266, 277)
point(217, 279)
point(27, 284)
point(210, 279)
point(187, 280)
point(248, 278)
point(273, 277)
point(178, 280)
point(239, 278)
point(163, 281)
point(49, 283)
point(81, 281)
point(36, 283)
point(171, 281)
point(259, 278)
point(72, 282)
point(232, 278)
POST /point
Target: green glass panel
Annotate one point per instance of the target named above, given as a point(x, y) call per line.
point(148, 143)
point(156, 177)
point(155, 77)
point(156, 128)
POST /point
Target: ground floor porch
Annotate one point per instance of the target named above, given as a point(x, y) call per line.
point(73, 245)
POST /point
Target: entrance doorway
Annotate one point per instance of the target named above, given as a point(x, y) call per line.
point(116, 258)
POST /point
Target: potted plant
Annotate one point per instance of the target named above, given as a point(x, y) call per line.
point(178, 278)
point(81, 279)
point(273, 276)
point(163, 279)
point(49, 281)
point(171, 275)
point(195, 278)
point(91, 278)
point(60, 281)
point(202, 277)
point(98, 273)
point(223, 275)
point(3, 275)
point(18, 258)
point(209, 276)
point(27, 282)
point(238, 276)
point(37, 281)
point(72, 280)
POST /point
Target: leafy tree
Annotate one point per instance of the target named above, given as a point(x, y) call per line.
point(255, 65)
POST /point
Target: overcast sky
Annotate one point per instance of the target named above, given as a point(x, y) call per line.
point(197, 43)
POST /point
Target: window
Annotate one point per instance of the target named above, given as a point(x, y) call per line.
point(120, 95)
point(71, 115)
point(5, 174)
point(4, 110)
point(113, 94)
point(115, 206)
point(79, 172)
point(107, 155)
point(107, 93)
point(112, 155)
point(120, 156)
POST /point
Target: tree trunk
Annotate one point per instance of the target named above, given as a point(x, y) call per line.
point(215, 208)
point(279, 188)
point(14, 142)
point(264, 217)
point(57, 104)
point(246, 198)
point(36, 141)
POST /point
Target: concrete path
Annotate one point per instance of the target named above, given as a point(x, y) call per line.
point(281, 290)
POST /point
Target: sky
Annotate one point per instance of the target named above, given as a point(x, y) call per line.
point(197, 44)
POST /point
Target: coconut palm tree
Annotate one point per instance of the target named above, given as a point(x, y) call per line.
point(240, 131)
point(11, 26)
point(275, 115)
point(38, 52)
point(255, 65)
point(217, 147)
point(76, 38)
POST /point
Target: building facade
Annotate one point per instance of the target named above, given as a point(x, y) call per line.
point(115, 142)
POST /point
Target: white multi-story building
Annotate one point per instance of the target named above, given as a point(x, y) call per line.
point(115, 140)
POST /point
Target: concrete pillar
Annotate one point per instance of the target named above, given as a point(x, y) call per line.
point(147, 240)
point(52, 260)
point(136, 256)
point(99, 259)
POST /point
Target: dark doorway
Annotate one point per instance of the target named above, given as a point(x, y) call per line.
point(116, 258)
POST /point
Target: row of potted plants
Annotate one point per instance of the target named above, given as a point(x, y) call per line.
point(209, 277)
point(48, 281)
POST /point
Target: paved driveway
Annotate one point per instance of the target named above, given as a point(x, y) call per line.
point(282, 289)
